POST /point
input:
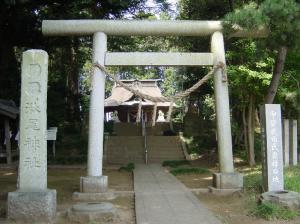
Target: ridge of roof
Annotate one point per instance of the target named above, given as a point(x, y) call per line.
point(140, 80)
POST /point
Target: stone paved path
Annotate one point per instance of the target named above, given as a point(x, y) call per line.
point(162, 199)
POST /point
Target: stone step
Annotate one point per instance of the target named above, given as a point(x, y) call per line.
point(164, 153)
point(173, 149)
point(125, 149)
point(165, 157)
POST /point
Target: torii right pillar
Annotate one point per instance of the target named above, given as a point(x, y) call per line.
point(227, 180)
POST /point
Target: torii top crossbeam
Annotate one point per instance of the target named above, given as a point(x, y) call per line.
point(140, 27)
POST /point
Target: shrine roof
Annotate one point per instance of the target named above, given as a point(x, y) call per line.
point(122, 97)
point(8, 108)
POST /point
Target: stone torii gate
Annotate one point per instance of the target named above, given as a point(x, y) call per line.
point(95, 182)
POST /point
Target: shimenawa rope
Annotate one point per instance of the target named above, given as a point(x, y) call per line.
point(177, 96)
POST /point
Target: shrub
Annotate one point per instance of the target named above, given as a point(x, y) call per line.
point(270, 211)
point(175, 163)
point(129, 167)
point(196, 170)
point(253, 181)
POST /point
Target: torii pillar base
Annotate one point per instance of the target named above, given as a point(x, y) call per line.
point(226, 183)
point(93, 189)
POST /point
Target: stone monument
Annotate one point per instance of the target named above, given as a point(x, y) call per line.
point(290, 142)
point(272, 155)
point(293, 143)
point(286, 142)
point(33, 202)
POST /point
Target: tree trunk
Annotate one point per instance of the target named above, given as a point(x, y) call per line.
point(72, 83)
point(251, 126)
point(231, 5)
point(245, 131)
point(7, 141)
point(278, 68)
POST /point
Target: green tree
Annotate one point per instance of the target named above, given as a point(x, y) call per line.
point(249, 71)
point(20, 28)
point(282, 19)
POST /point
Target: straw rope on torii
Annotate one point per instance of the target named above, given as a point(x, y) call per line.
point(171, 99)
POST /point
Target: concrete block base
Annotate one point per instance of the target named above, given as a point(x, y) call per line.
point(92, 184)
point(287, 199)
point(223, 192)
point(31, 207)
point(228, 180)
point(79, 196)
point(88, 212)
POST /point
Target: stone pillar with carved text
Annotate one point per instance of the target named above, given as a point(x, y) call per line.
point(272, 153)
point(286, 142)
point(33, 202)
point(293, 143)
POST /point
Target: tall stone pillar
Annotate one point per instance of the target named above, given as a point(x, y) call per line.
point(286, 142)
point(33, 202)
point(95, 182)
point(293, 143)
point(227, 178)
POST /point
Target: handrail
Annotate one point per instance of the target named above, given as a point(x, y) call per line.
point(144, 133)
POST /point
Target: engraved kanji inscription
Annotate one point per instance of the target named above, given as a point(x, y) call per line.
point(31, 162)
point(35, 72)
point(32, 143)
point(34, 88)
point(33, 124)
point(32, 106)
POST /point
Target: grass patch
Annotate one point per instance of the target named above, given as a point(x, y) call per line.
point(129, 167)
point(267, 210)
point(292, 178)
point(253, 179)
point(270, 211)
point(175, 163)
point(196, 170)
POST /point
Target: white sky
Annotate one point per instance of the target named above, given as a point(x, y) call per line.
point(173, 5)
point(152, 8)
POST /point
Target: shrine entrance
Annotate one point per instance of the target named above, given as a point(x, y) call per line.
point(101, 28)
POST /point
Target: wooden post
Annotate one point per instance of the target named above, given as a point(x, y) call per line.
point(128, 116)
point(53, 148)
point(7, 141)
point(154, 114)
point(138, 116)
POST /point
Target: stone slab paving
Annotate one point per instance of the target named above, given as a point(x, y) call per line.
point(162, 199)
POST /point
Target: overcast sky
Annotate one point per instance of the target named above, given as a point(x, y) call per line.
point(173, 3)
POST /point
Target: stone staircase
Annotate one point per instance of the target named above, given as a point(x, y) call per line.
point(161, 148)
point(126, 149)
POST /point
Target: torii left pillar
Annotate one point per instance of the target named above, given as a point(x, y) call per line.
point(95, 182)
